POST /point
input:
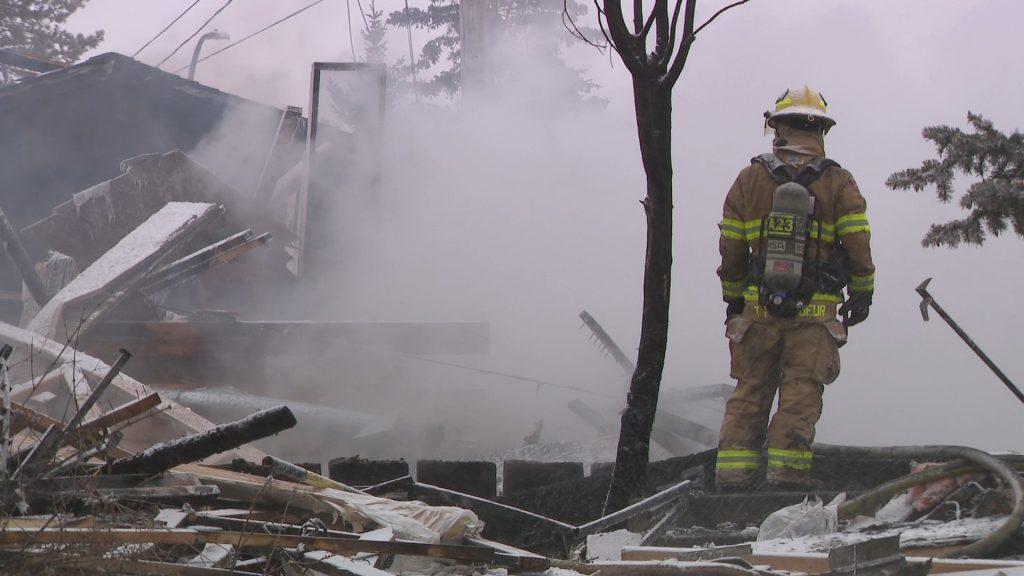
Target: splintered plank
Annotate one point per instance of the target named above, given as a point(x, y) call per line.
point(133, 256)
point(173, 420)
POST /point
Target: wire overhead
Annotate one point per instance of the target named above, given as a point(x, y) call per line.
point(260, 31)
point(166, 28)
point(196, 33)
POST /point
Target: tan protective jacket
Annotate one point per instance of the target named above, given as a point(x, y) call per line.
point(839, 209)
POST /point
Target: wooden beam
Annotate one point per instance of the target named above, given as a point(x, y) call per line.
point(175, 340)
point(120, 414)
point(153, 568)
point(812, 563)
point(115, 536)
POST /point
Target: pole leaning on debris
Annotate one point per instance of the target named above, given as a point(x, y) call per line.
point(5, 411)
point(10, 241)
point(927, 300)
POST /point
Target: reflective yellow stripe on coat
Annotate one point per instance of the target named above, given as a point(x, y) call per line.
point(750, 230)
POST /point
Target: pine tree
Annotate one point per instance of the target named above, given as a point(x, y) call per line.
point(375, 46)
point(36, 28)
point(994, 202)
point(445, 49)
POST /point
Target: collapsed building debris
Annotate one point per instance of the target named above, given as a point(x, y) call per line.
point(136, 408)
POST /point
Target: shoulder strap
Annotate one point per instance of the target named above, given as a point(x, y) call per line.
point(783, 173)
point(813, 169)
point(777, 169)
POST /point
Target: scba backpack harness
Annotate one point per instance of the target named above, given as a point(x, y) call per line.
point(785, 275)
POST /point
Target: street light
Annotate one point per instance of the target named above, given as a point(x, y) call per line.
point(215, 35)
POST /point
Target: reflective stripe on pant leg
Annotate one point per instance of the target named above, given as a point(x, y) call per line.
point(754, 364)
point(738, 460)
point(809, 353)
point(799, 460)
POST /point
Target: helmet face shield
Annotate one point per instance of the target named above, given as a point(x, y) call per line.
point(805, 106)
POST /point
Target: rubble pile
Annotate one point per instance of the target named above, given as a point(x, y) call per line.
point(135, 414)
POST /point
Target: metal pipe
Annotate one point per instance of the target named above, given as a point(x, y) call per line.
point(214, 35)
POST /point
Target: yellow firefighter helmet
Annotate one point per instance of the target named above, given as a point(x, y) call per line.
point(801, 103)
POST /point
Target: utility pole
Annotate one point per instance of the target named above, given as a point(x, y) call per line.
point(412, 56)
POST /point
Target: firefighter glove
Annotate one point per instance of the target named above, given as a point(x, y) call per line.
point(855, 309)
point(733, 308)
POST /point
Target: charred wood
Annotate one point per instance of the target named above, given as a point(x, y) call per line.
point(198, 446)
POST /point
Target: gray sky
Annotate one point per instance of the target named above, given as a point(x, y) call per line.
point(538, 218)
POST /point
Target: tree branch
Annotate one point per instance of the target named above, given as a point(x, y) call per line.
point(569, 24)
point(647, 28)
point(664, 59)
point(662, 44)
point(689, 35)
point(623, 41)
point(717, 14)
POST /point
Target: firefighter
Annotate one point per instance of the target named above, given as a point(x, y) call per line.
point(794, 233)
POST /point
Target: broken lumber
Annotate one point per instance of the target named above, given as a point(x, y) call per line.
point(199, 446)
point(5, 410)
point(88, 433)
point(412, 521)
point(172, 421)
point(807, 562)
point(55, 435)
point(19, 537)
point(298, 474)
point(12, 245)
point(153, 568)
point(248, 524)
point(108, 278)
point(120, 414)
point(227, 250)
point(165, 495)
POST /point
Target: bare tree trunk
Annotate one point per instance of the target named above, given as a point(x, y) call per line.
point(654, 126)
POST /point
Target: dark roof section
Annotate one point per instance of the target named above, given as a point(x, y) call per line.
point(69, 129)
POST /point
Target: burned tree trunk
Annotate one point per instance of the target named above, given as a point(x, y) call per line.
point(654, 125)
point(198, 446)
point(654, 50)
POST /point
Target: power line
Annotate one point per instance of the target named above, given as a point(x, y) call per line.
point(260, 31)
point(194, 34)
point(362, 12)
point(166, 28)
point(351, 41)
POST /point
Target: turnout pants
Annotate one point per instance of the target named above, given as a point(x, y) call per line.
point(791, 357)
